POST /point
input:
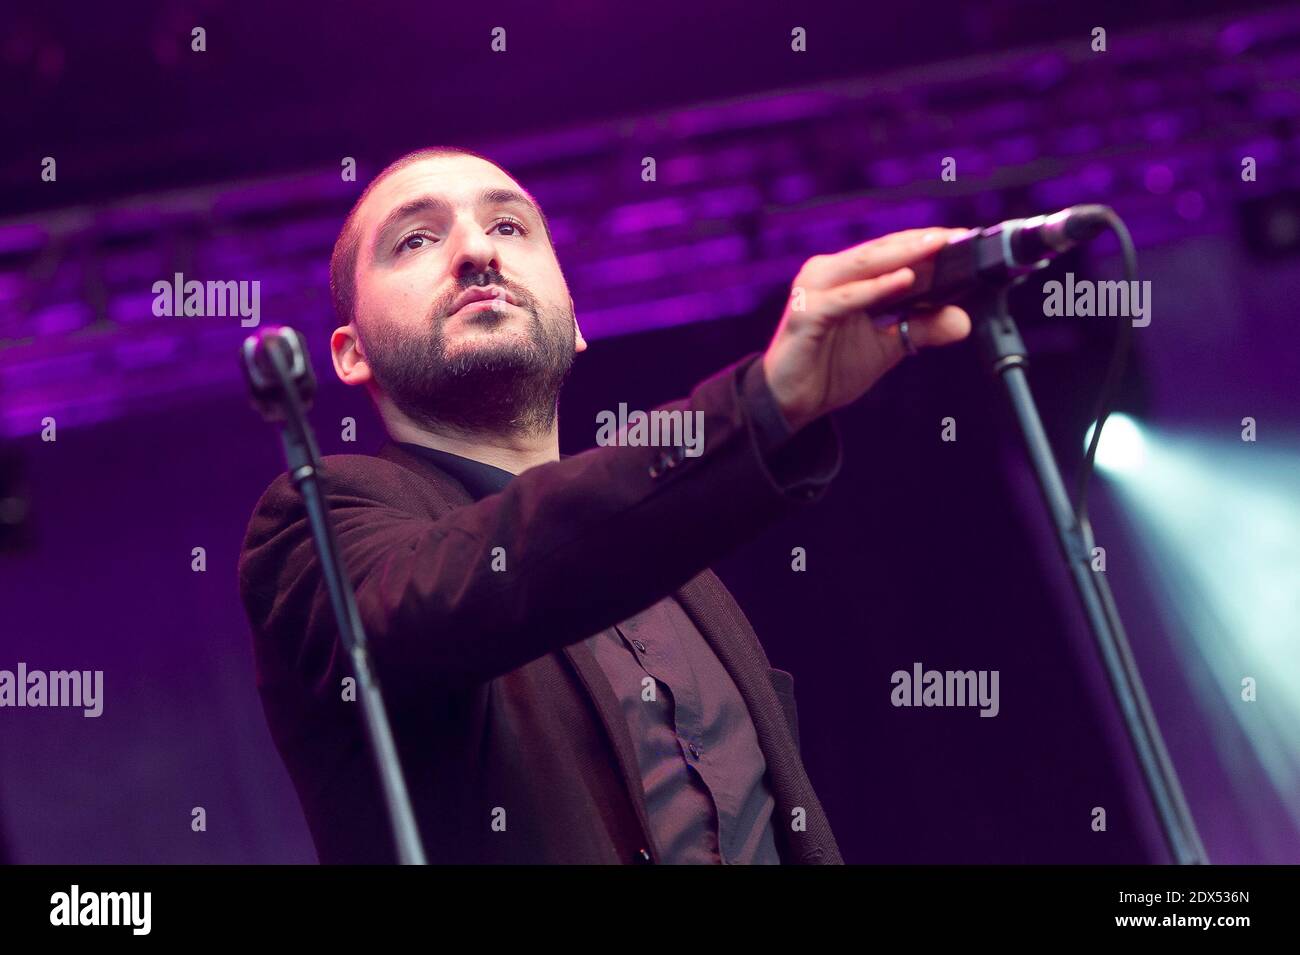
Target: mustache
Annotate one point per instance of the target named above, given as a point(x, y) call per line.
point(443, 308)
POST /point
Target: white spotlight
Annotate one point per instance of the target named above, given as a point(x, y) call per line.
point(1122, 449)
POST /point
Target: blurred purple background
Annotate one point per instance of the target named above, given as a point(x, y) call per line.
point(225, 165)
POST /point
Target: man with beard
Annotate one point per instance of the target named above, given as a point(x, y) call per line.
point(568, 681)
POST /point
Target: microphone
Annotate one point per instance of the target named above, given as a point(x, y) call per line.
point(994, 256)
point(258, 358)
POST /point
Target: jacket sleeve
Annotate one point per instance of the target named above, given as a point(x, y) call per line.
point(586, 541)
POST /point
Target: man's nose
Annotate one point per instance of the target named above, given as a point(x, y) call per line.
point(474, 253)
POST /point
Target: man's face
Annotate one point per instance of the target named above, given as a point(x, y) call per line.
point(434, 235)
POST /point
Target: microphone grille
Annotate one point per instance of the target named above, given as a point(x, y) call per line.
point(1087, 221)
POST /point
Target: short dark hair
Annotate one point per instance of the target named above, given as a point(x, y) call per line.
point(343, 260)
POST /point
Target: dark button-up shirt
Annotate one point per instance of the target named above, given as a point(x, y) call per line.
point(702, 771)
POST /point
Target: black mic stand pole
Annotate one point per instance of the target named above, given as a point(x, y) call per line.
point(279, 401)
point(1003, 350)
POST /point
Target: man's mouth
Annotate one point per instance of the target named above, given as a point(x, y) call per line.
point(480, 298)
point(481, 305)
point(485, 314)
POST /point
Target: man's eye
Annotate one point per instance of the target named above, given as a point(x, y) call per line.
point(413, 241)
point(417, 240)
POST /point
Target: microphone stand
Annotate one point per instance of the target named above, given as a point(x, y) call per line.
point(1002, 348)
point(277, 397)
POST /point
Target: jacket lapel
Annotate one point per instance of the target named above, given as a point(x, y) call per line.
point(605, 701)
point(724, 625)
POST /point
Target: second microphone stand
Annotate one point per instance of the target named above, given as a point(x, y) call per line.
point(1003, 350)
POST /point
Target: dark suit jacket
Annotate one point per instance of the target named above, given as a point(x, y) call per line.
point(495, 705)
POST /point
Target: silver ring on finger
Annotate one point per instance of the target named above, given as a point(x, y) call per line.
point(906, 337)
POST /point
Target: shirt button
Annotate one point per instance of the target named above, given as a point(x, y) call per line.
point(639, 646)
point(694, 750)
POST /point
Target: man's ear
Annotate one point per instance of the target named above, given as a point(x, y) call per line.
point(580, 343)
point(349, 361)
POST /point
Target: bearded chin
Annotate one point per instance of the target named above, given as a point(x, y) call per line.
point(502, 386)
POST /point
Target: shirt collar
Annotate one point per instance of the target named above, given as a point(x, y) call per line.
point(479, 479)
